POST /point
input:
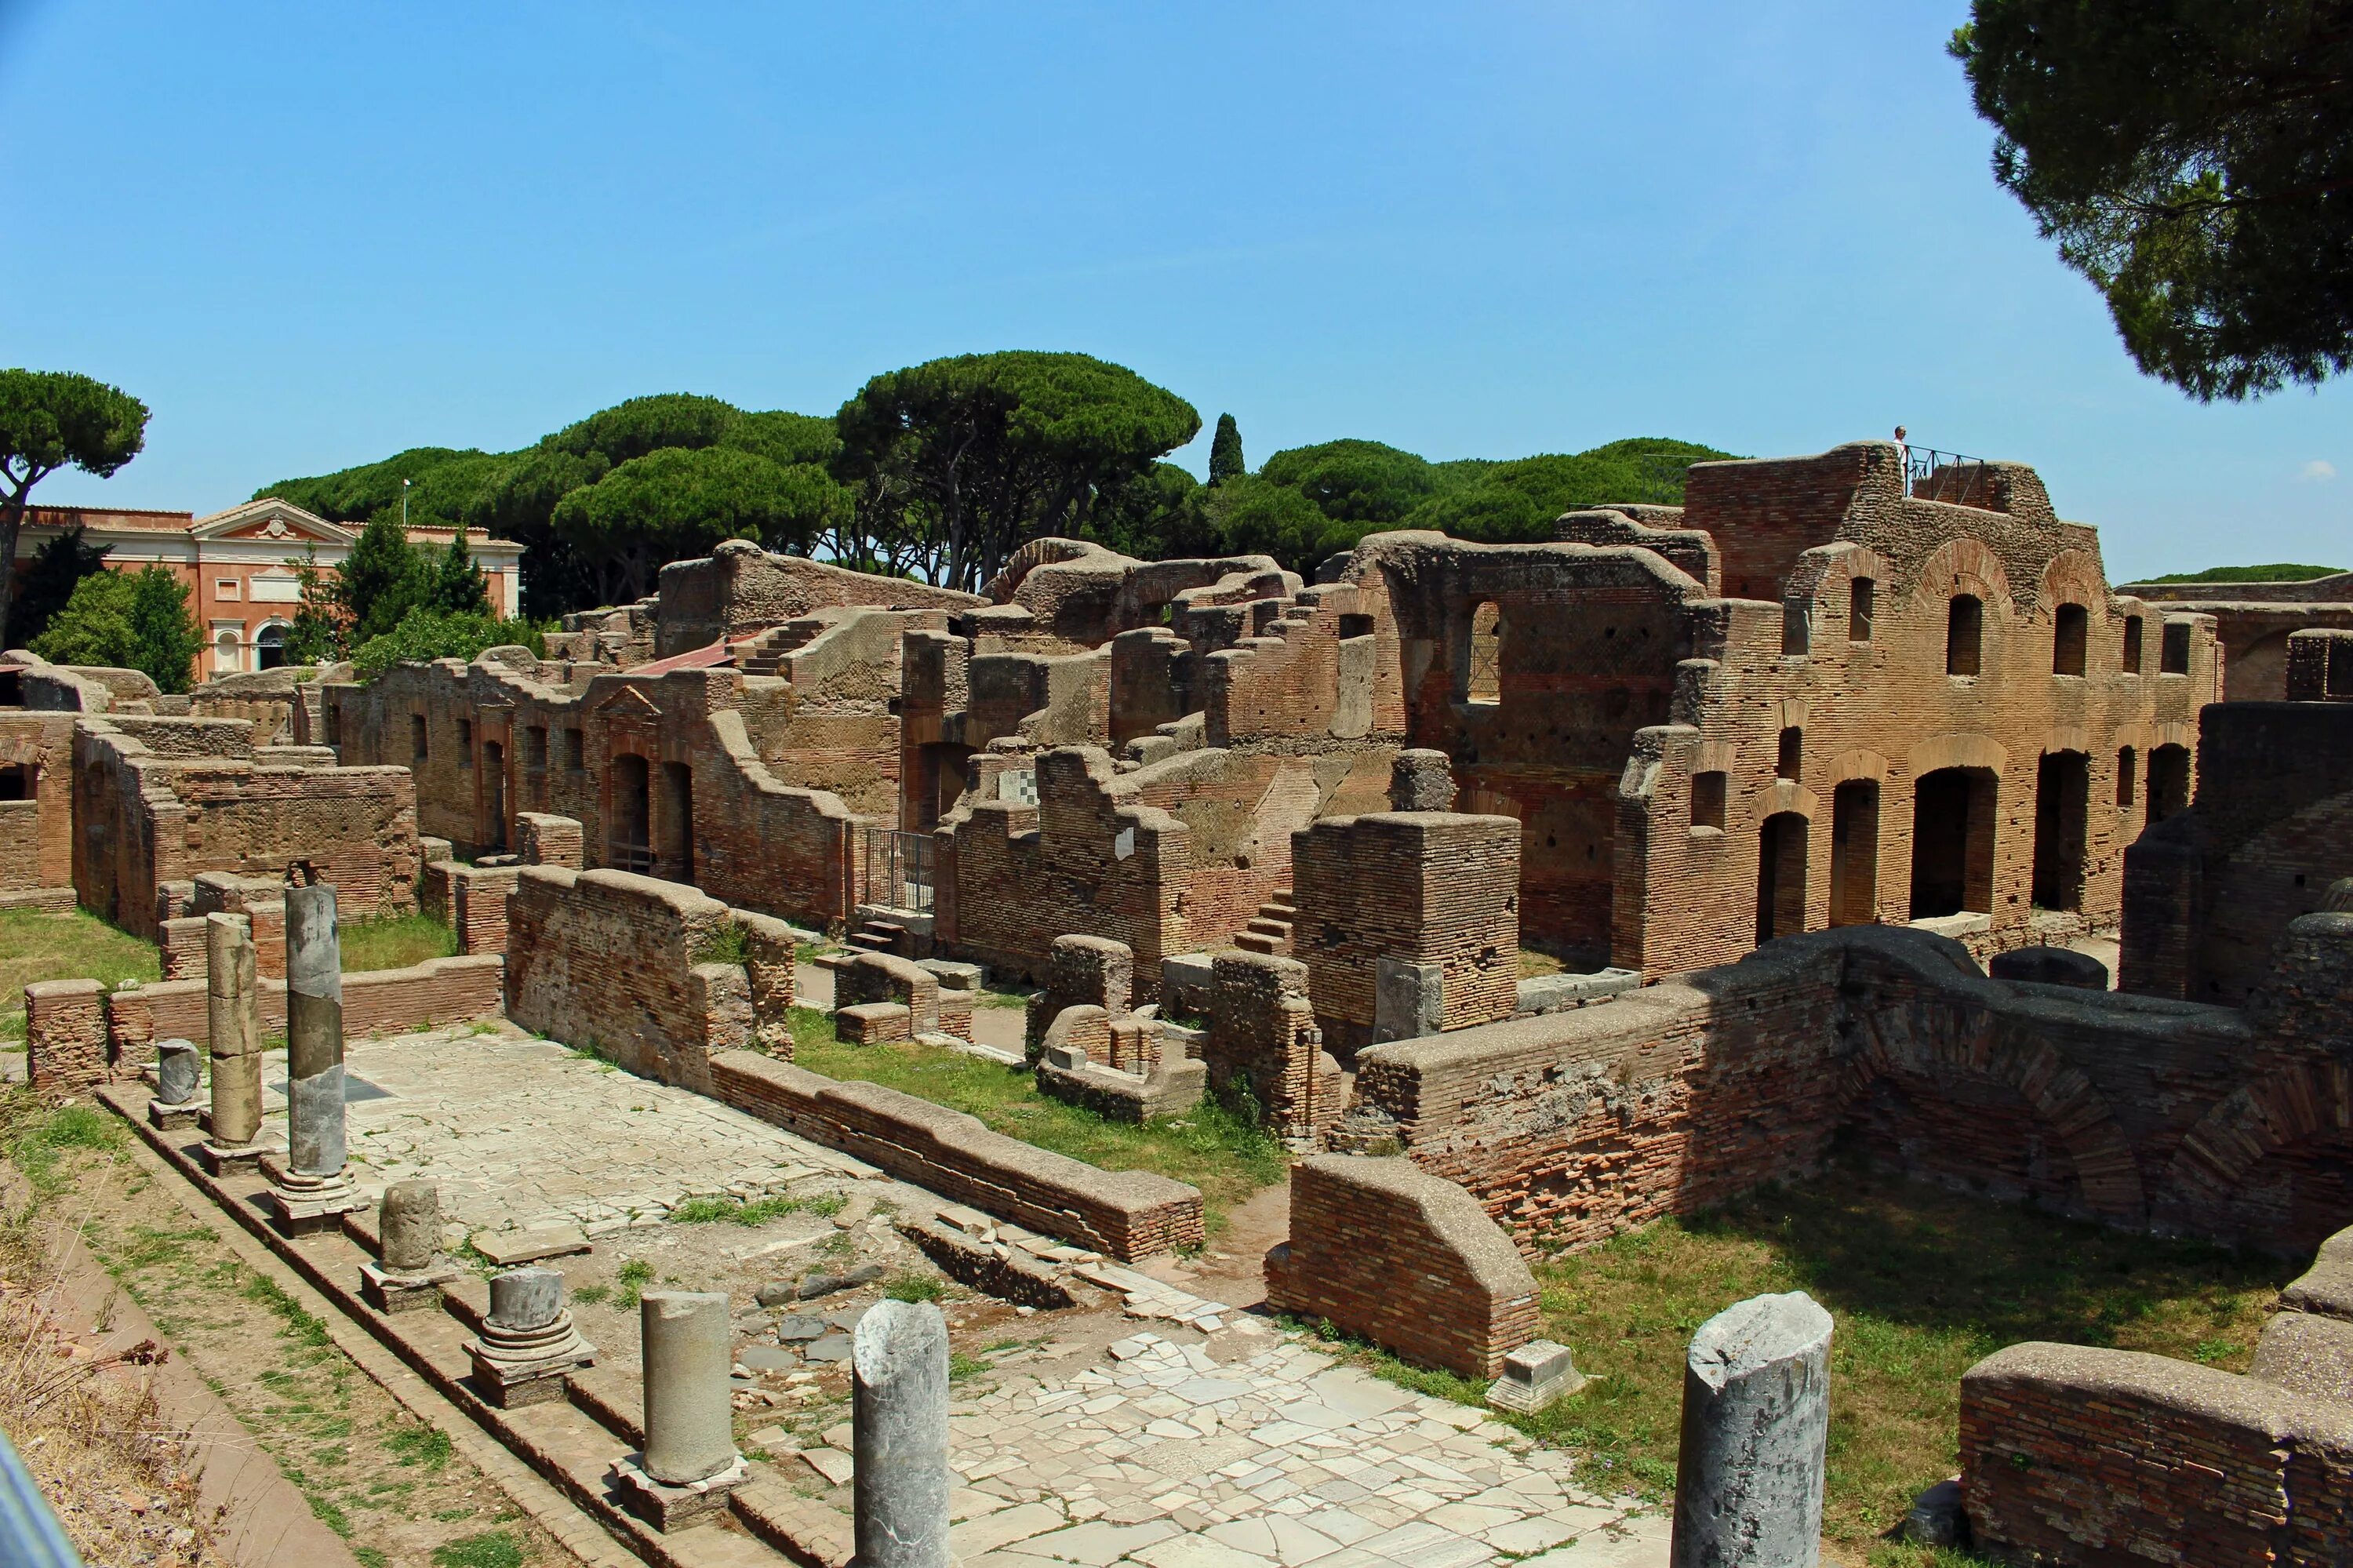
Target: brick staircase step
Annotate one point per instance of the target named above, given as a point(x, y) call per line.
point(1278, 929)
point(1254, 942)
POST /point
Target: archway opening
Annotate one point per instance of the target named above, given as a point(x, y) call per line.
point(1964, 632)
point(1855, 853)
point(2062, 794)
point(2169, 781)
point(269, 648)
point(1781, 876)
point(2071, 631)
point(1952, 842)
point(628, 841)
point(492, 829)
point(1486, 682)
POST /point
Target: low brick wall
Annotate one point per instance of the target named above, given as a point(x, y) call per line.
point(378, 1001)
point(1407, 1260)
point(65, 1032)
point(2074, 1454)
point(478, 905)
point(1127, 1213)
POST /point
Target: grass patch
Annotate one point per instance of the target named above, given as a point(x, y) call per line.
point(1228, 1156)
point(42, 944)
point(753, 1212)
point(44, 1136)
point(635, 1274)
point(395, 942)
point(985, 997)
point(592, 1294)
point(1533, 963)
point(491, 1549)
point(1923, 1283)
point(915, 1287)
point(426, 1446)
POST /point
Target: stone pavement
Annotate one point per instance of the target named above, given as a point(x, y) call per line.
point(522, 1132)
point(1168, 1458)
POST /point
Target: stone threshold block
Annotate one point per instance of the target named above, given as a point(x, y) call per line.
point(670, 1507)
point(174, 1117)
point(389, 1292)
point(224, 1159)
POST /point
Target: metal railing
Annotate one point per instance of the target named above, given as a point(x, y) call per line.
point(1956, 477)
point(637, 858)
point(899, 869)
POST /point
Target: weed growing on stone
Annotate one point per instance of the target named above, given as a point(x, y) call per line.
point(727, 945)
point(915, 1287)
point(752, 1212)
point(1220, 1149)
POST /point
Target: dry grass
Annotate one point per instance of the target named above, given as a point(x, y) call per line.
point(1923, 1283)
point(79, 1408)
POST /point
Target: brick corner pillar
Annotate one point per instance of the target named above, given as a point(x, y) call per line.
point(65, 1032)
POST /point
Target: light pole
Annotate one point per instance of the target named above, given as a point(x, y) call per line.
point(404, 506)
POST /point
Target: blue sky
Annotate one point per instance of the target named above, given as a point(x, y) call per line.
point(312, 235)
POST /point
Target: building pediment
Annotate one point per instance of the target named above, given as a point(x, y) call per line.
point(270, 519)
point(628, 703)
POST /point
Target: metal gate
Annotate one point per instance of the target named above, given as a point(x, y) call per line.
point(899, 869)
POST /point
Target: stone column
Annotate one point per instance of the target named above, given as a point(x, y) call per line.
point(528, 1344)
point(308, 1190)
point(1756, 1420)
point(899, 1424)
point(314, 1031)
point(409, 1269)
point(176, 1077)
point(690, 1464)
point(233, 1017)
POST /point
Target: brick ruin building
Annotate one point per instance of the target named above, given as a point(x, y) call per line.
point(1772, 775)
point(2253, 623)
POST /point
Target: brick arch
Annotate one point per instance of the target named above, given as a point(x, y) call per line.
point(2277, 1111)
point(1964, 566)
point(1860, 763)
point(1957, 748)
point(2071, 577)
point(1783, 795)
point(1891, 1045)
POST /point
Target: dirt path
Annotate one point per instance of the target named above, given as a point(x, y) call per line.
point(390, 1486)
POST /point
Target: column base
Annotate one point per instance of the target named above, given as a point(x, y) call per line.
point(513, 1368)
point(221, 1159)
point(172, 1118)
point(388, 1292)
point(302, 1204)
point(669, 1508)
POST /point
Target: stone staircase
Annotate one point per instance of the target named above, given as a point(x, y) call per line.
point(1268, 930)
point(766, 653)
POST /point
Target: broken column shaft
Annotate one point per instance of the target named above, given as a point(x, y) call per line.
point(1757, 1416)
point(233, 1018)
point(899, 1423)
point(690, 1464)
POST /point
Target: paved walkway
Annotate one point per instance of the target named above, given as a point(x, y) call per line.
point(522, 1132)
point(1168, 1458)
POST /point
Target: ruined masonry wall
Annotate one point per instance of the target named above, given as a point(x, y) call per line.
point(1405, 1259)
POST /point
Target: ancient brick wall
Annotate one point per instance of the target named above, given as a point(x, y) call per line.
point(376, 1001)
point(36, 814)
point(1127, 1214)
point(1384, 1249)
point(145, 817)
point(1422, 887)
point(619, 964)
point(478, 905)
point(2320, 666)
point(2206, 1120)
point(2209, 895)
point(1263, 1037)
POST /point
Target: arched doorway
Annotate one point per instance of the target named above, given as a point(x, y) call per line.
point(1781, 875)
point(677, 859)
point(1952, 842)
point(2169, 781)
point(1855, 853)
point(269, 647)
